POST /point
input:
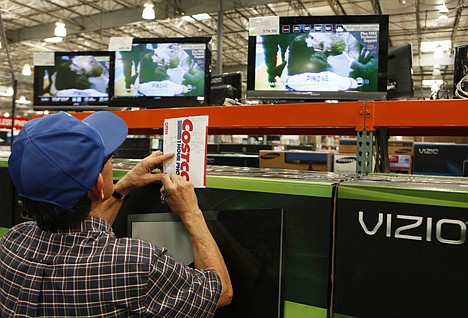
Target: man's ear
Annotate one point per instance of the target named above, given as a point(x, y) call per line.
point(97, 190)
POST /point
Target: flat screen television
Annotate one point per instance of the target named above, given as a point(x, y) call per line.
point(320, 58)
point(400, 72)
point(250, 241)
point(163, 72)
point(76, 81)
point(227, 85)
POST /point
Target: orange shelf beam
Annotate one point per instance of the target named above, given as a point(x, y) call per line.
point(301, 118)
point(419, 113)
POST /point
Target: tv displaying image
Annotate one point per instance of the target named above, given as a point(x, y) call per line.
point(163, 73)
point(336, 57)
point(76, 81)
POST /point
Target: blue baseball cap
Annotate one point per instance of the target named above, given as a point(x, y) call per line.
point(57, 158)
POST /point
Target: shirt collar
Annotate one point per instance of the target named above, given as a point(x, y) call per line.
point(90, 224)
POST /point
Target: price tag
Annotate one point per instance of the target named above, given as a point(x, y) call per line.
point(264, 26)
point(120, 44)
point(44, 58)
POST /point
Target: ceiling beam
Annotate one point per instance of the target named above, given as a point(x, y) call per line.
point(106, 20)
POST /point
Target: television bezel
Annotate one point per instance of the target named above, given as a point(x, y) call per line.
point(168, 101)
point(70, 105)
point(285, 96)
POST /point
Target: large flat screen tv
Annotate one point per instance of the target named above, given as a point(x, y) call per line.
point(251, 244)
point(76, 81)
point(163, 72)
point(321, 58)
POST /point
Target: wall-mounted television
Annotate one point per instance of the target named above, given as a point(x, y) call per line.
point(400, 72)
point(321, 58)
point(163, 72)
point(75, 81)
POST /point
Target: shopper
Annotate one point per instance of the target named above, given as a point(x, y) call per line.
point(68, 262)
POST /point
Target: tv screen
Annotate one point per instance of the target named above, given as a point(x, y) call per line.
point(76, 81)
point(166, 72)
point(251, 244)
point(320, 57)
point(400, 72)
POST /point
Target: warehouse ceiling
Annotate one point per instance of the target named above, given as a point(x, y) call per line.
point(90, 24)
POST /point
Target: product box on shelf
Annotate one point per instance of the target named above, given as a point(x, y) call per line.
point(273, 227)
point(442, 159)
point(400, 147)
point(400, 163)
point(401, 247)
point(347, 145)
point(297, 159)
point(395, 147)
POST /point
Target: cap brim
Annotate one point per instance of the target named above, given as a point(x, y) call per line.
point(112, 128)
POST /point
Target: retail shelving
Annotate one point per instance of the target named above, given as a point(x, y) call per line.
point(413, 117)
point(298, 118)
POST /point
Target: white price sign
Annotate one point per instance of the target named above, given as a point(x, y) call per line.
point(264, 26)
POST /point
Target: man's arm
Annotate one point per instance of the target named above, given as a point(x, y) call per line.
point(182, 200)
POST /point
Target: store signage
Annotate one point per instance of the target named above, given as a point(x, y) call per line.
point(5, 122)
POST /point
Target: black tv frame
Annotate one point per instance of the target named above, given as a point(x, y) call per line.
point(168, 101)
point(41, 102)
point(294, 96)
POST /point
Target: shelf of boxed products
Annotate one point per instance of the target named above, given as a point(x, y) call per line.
point(298, 118)
point(418, 117)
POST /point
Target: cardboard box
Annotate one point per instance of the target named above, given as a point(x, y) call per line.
point(401, 247)
point(347, 145)
point(298, 160)
point(400, 163)
point(440, 159)
point(400, 147)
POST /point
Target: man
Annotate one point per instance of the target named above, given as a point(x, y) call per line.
point(67, 262)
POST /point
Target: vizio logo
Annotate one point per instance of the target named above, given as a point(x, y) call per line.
point(428, 151)
point(417, 228)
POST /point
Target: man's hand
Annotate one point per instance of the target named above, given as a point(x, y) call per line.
point(142, 174)
point(181, 196)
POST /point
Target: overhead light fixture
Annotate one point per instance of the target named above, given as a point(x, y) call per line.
point(55, 39)
point(402, 2)
point(430, 46)
point(148, 11)
point(196, 17)
point(438, 52)
point(26, 70)
point(23, 101)
point(60, 29)
point(443, 8)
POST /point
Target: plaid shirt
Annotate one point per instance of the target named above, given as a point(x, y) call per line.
point(88, 272)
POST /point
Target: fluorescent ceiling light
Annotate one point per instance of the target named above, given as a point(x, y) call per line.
point(197, 17)
point(430, 46)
